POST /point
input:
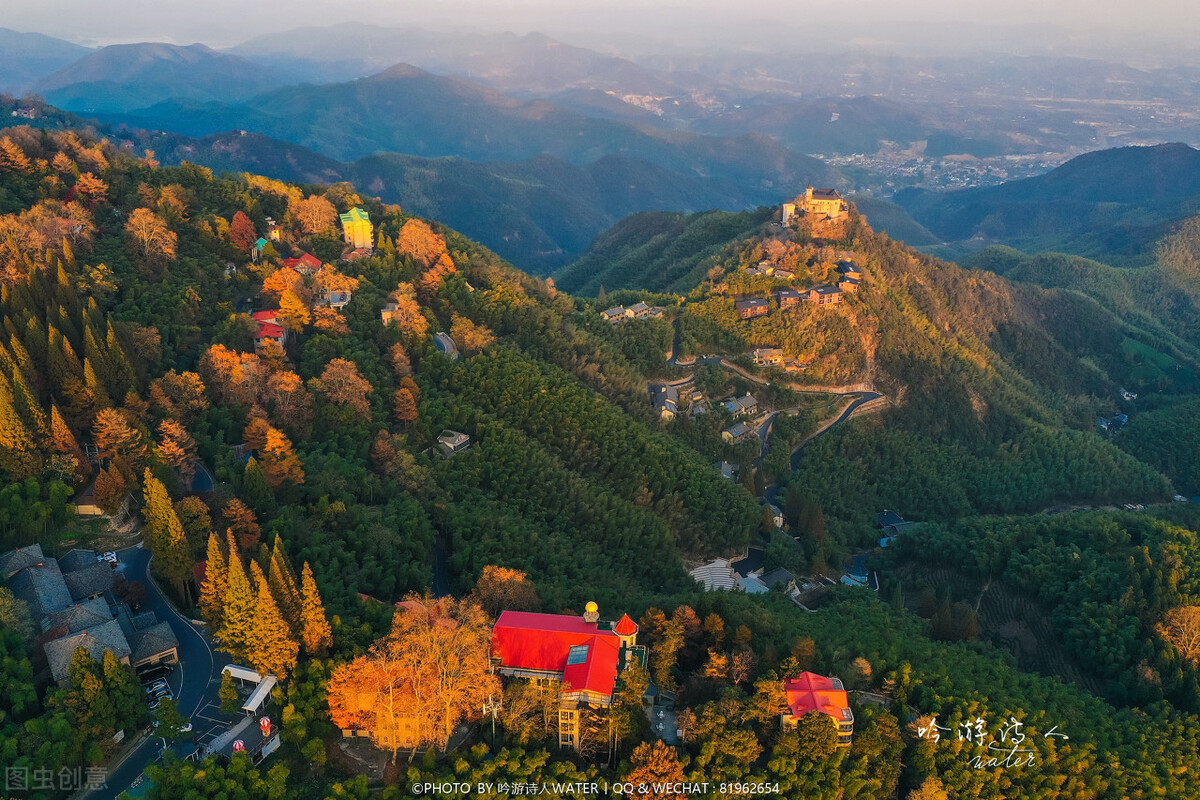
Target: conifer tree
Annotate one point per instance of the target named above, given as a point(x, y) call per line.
point(165, 536)
point(215, 585)
point(272, 647)
point(18, 453)
point(283, 585)
point(64, 443)
point(256, 490)
point(92, 382)
point(239, 609)
point(315, 630)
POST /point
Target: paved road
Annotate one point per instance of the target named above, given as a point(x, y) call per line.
point(194, 682)
point(861, 398)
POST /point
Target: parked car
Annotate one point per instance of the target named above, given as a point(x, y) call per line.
point(108, 556)
point(157, 671)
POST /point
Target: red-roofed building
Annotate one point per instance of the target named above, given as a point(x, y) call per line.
point(584, 654)
point(267, 327)
point(306, 264)
point(812, 692)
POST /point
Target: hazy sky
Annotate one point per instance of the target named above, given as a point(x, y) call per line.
point(1013, 24)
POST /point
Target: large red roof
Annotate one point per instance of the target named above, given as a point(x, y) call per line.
point(812, 692)
point(543, 642)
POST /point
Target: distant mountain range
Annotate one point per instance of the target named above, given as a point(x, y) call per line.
point(539, 213)
point(129, 76)
point(1110, 204)
point(26, 57)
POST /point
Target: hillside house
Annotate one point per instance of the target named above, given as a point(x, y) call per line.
point(356, 228)
point(810, 692)
point(767, 356)
point(825, 295)
point(788, 298)
point(741, 406)
point(266, 326)
point(452, 442)
point(639, 310)
point(665, 400)
point(749, 309)
point(616, 314)
point(738, 432)
point(336, 298)
point(823, 203)
point(390, 313)
point(847, 284)
point(582, 654)
point(788, 213)
point(305, 264)
point(70, 603)
point(849, 269)
point(782, 274)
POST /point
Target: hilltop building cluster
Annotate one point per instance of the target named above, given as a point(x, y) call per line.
point(72, 605)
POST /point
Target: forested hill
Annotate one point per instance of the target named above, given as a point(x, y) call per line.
point(129, 365)
point(1110, 204)
point(134, 283)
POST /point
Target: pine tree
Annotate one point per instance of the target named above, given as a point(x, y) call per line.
point(239, 609)
point(256, 490)
point(272, 647)
point(283, 585)
point(95, 386)
point(228, 695)
point(178, 449)
point(121, 685)
point(165, 536)
point(315, 630)
point(215, 585)
point(64, 443)
point(19, 456)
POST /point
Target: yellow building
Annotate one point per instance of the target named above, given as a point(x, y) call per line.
point(823, 203)
point(356, 227)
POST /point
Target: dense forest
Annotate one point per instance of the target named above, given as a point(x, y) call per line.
point(130, 366)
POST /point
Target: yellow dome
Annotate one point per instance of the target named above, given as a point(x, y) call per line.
point(591, 607)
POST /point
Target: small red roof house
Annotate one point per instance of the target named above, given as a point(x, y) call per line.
point(306, 264)
point(812, 692)
point(267, 327)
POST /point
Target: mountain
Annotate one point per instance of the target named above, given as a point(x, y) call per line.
point(532, 64)
point(530, 471)
point(27, 57)
point(1112, 204)
point(658, 251)
point(128, 76)
point(407, 110)
point(539, 213)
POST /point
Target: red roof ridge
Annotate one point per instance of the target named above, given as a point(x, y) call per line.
point(625, 626)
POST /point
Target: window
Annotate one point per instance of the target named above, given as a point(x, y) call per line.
point(577, 654)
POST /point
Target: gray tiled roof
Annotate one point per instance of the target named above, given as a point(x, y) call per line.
point(87, 582)
point(77, 559)
point(16, 560)
point(95, 640)
point(81, 616)
point(156, 639)
point(42, 588)
point(777, 575)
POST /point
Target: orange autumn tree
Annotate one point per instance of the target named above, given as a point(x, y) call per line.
point(342, 385)
point(419, 682)
point(468, 335)
point(279, 460)
point(151, 236)
point(315, 215)
point(283, 280)
point(178, 449)
point(653, 766)
point(503, 588)
point(407, 314)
